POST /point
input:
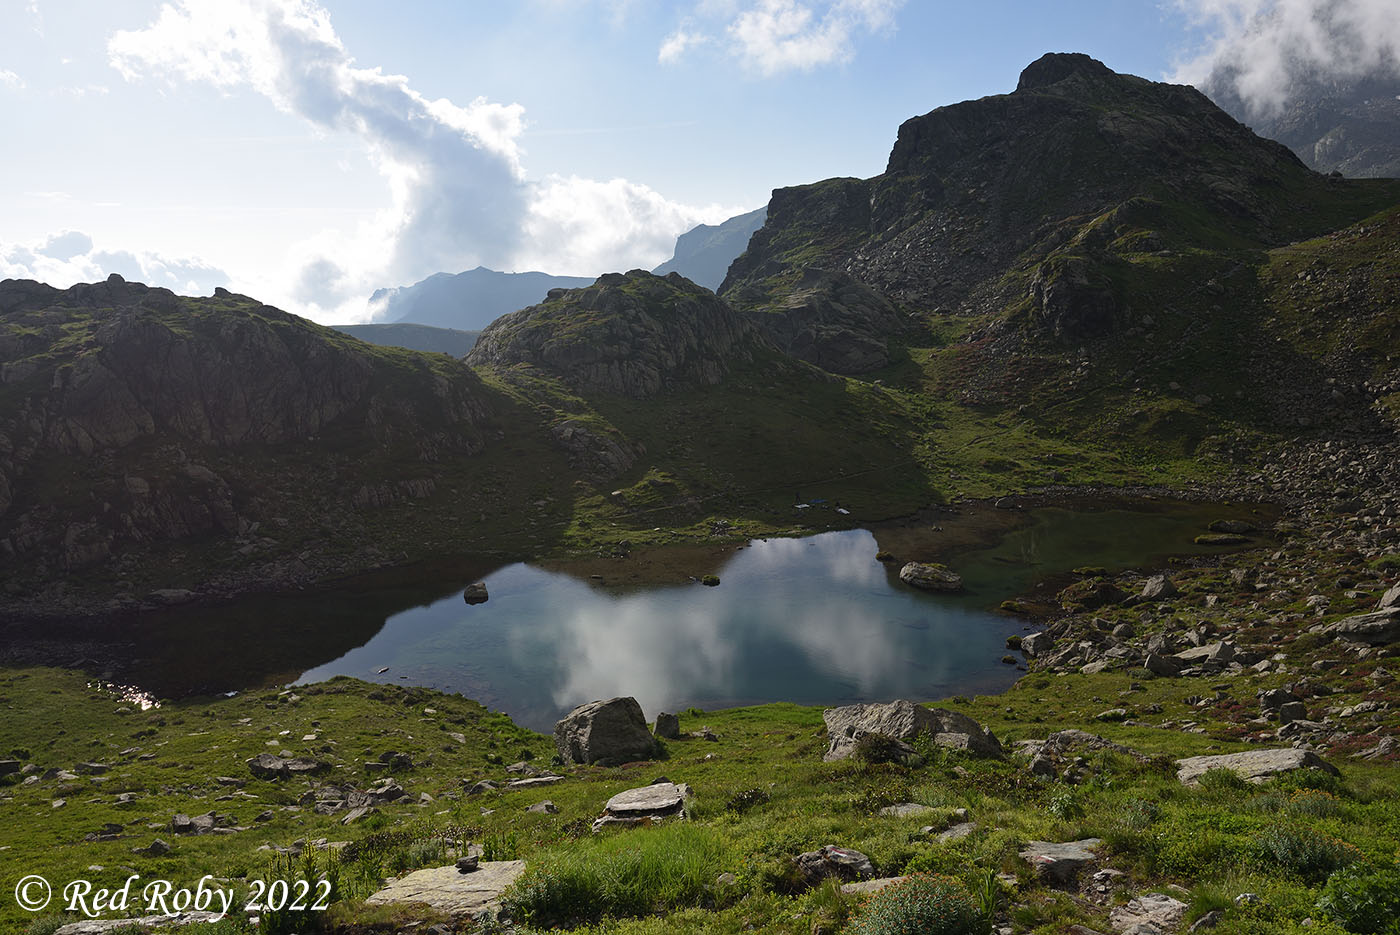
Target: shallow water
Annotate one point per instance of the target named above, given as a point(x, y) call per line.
point(814, 621)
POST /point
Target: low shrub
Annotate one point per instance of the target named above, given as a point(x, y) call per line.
point(644, 871)
point(1310, 854)
point(1364, 899)
point(921, 905)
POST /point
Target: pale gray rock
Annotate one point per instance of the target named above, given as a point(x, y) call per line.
point(1036, 644)
point(866, 887)
point(927, 576)
point(1059, 863)
point(1389, 599)
point(659, 801)
point(958, 832)
point(842, 863)
point(904, 720)
point(103, 926)
point(1153, 909)
point(1252, 765)
point(906, 810)
point(1376, 628)
point(1158, 588)
point(451, 891)
point(604, 732)
point(271, 766)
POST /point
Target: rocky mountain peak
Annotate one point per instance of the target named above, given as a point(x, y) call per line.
point(634, 334)
point(1054, 67)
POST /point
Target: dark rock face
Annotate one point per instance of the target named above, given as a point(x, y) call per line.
point(833, 321)
point(1025, 197)
point(153, 399)
point(604, 732)
point(636, 335)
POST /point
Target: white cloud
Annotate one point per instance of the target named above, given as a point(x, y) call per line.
point(460, 195)
point(674, 46)
point(581, 227)
point(69, 257)
point(10, 80)
point(1263, 50)
point(775, 36)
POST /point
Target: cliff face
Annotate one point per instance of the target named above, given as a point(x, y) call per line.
point(1349, 126)
point(633, 334)
point(982, 189)
point(129, 415)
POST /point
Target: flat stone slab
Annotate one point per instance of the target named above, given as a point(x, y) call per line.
point(534, 782)
point(1251, 765)
point(866, 887)
point(659, 797)
point(1378, 628)
point(906, 810)
point(102, 926)
point(958, 832)
point(454, 892)
point(1153, 911)
point(1059, 862)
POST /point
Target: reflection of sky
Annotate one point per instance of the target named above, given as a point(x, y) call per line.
point(812, 620)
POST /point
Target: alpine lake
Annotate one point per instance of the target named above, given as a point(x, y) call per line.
point(816, 620)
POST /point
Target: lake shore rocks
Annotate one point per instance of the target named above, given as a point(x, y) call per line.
point(605, 733)
point(928, 576)
point(904, 720)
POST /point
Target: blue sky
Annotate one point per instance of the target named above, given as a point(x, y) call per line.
point(309, 152)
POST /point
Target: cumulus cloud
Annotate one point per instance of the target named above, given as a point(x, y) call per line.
point(775, 36)
point(70, 257)
point(782, 35)
point(1265, 51)
point(9, 79)
point(674, 46)
point(460, 195)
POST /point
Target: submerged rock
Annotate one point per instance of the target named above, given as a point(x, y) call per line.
point(928, 576)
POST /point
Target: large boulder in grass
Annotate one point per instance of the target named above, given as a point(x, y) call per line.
point(904, 720)
point(1377, 628)
point(605, 733)
point(1251, 765)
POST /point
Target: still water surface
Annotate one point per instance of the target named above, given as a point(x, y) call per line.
point(813, 621)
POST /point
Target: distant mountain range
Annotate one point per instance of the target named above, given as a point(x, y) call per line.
point(464, 303)
point(1351, 127)
point(467, 301)
point(414, 337)
point(703, 254)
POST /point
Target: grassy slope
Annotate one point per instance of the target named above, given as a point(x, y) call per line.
point(1206, 840)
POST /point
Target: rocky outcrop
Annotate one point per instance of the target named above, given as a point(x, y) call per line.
point(472, 894)
point(132, 418)
point(1251, 765)
point(604, 732)
point(904, 720)
point(1030, 191)
point(930, 577)
point(646, 805)
point(832, 320)
point(634, 335)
